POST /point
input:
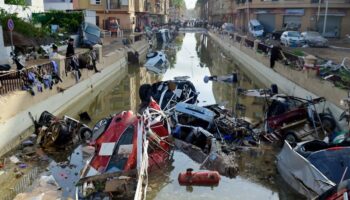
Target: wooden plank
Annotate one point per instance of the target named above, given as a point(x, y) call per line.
point(104, 176)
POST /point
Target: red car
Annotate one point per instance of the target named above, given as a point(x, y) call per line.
point(115, 141)
point(285, 111)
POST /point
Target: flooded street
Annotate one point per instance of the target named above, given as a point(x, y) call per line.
point(192, 55)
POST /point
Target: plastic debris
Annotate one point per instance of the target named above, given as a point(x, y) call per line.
point(29, 150)
point(14, 159)
point(48, 180)
point(27, 143)
point(22, 165)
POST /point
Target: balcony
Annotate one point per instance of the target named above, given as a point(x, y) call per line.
point(117, 5)
point(139, 5)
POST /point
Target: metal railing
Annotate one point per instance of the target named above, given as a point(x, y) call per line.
point(83, 59)
point(16, 80)
point(263, 48)
point(21, 185)
point(238, 38)
point(249, 43)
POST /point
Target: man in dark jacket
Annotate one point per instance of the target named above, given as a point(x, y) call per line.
point(275, 54)
point(70, 48)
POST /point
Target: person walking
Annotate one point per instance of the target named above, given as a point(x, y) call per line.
point(275, 52)
point(93, 57)
point(54, 52)
point(55, 69)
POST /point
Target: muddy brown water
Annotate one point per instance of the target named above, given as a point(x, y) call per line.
point(196, 56)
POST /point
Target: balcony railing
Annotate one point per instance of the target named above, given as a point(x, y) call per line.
point(117, 4)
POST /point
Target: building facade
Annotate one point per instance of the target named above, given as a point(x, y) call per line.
point(58, 5)
point(33, 6)
point(275, 14)
point(129, 14)
point(221, 10)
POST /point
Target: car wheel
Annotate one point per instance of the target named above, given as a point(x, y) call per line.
point(328, 123)
point(85, 133)
point(291, 138)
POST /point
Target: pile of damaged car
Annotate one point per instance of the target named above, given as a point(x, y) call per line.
point(319, 168)
point(126, 147)
point(314, 158)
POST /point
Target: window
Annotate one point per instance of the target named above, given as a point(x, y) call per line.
point(97, 21)
point(96, 2)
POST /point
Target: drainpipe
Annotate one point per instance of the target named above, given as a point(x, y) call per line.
point(325, 18)
point(318, 11)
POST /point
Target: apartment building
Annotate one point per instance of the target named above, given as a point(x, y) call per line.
point(33, 6)
point(274, 14)
point(58, 4)
point(129, 14)
point(111, 12)
point(221, 10)
point(306, 14)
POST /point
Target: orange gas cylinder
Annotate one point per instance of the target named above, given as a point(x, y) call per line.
point(199, 178)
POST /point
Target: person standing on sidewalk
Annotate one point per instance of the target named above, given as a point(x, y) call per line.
point(93, 57)
point(70, 48)
point(275, 52)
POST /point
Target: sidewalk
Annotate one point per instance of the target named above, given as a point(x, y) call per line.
point(289, 80)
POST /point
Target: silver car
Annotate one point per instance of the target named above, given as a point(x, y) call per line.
point(292, 39)
point(314, 39)
point(228, 28)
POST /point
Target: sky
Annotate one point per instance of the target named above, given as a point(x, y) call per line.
point(190, 4)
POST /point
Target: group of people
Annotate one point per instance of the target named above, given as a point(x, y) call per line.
point(70, 54)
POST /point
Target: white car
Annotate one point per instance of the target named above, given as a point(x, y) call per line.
point(292, 39)
point(255, 28)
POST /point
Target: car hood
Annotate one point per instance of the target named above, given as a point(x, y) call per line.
point(318, 39)
point(296, 38)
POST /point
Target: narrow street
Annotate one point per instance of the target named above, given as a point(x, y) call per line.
point(174, 99)
point(190, 56)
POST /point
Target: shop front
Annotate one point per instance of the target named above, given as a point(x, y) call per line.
point(293, 18)
point(330, 25)
point(268, 19)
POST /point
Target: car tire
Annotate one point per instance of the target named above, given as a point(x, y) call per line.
point(328, 123)
point(291, 138)
point(85, 133)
